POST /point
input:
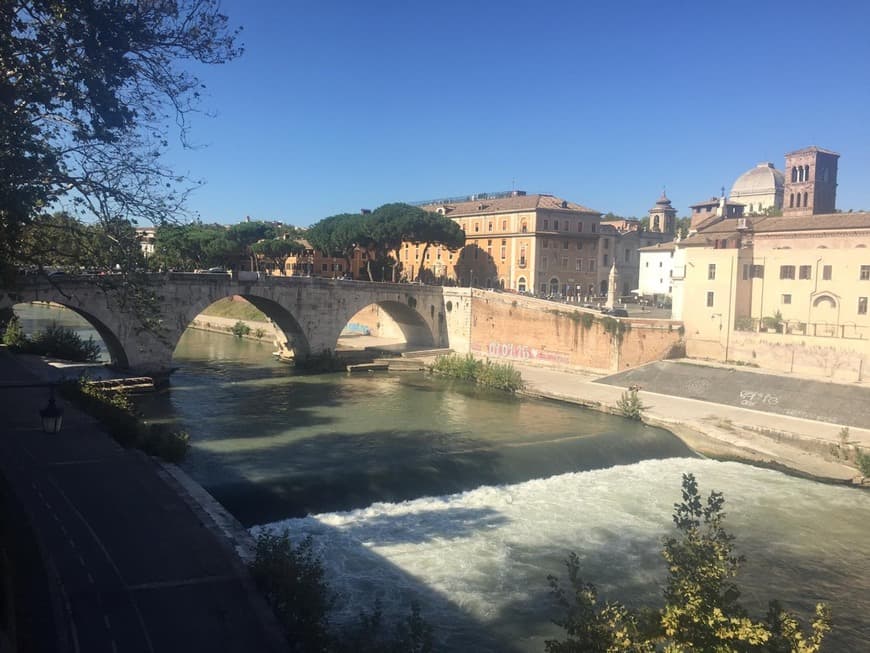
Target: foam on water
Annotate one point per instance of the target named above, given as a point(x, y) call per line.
point(478, 561)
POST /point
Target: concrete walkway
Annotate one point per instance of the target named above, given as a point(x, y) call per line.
point(131, 561)
point(805, 446)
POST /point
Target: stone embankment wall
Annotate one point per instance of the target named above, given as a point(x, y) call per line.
point(838, 359)
point(512, 327)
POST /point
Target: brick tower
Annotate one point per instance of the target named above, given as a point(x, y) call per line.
point(810, 182)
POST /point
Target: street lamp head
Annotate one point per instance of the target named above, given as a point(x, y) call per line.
point(52, 415)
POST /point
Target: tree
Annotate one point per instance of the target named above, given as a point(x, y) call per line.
point(702, 611)
point(89, 95)
point(278, 250)
point(338, 235)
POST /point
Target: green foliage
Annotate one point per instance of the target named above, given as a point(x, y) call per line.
point(482, 372)
point(616, 328)
point(292, 580)
point(161, 441)
point(702, 611)
point(239, 309)
point(91, 93)
point(117, 413)
point(743, 324)
point(587, 320)
point(863, 461)
point(630, 405)
point(259, 333)
point(13, 336)
point(240, 329)
point(55, 341)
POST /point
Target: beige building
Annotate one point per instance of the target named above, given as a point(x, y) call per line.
point(538, 244)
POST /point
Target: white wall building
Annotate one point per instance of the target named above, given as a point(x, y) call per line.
point(656, 266)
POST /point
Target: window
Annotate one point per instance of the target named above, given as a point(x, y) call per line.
point(756, 272)
point(579, 227)
point(711, 271)
point(865, 273)
point(805, 272)
point(591, 265)
point(787, 271)
point(826, 272)
point(489, 226)
point(709, 298)
point(523, 256)
point(545, 243)
point(606, 243)
point(503, 249)
point(543, 288)
point(564, 263)
point(546, 224)
point(476, 227)
point(786, 299)
point(521, 284)
point(555, 225)
point(504, 225)
point(543, 261)
point(525, 228)
point(605, 260)
point(579, 265)
point(324, 267)
point(565, 228)
point(593, 228)
point(647, 264)
point(862, 306)
point(565, 244)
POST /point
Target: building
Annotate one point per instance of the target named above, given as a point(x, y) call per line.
point(811, 182)
point(147, 237)
point(621, 242)
point(803, 277)
point(708, 212)
point(760, 190)
point(527, 243)
point(656, 268)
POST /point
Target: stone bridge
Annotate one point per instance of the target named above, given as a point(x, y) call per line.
point(311, 312)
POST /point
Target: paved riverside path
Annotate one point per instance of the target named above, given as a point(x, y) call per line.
point(131, 564)
point(717, 429)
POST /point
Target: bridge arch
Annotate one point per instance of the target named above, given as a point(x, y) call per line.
point(290, 334)
point(396, 319)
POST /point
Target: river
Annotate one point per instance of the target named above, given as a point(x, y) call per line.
point(466, 499)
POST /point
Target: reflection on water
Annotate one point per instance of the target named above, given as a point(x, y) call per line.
point(270, 445)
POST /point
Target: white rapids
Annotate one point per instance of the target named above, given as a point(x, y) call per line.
point(478, 561)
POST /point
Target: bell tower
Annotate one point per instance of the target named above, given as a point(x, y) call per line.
point(810, 182)
point(662, 217)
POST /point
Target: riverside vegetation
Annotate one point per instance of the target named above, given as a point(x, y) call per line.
point(702, 611)
point(482, 372)
point(54, 340)
point(117, 413)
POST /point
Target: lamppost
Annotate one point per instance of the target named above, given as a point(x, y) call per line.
point(52, 415)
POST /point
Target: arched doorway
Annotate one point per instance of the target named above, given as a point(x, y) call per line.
point(554, 286)
point(825, 315)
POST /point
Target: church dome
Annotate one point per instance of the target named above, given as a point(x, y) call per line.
point(761, 180)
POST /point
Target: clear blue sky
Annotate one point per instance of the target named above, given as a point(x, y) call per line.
point(337, 106)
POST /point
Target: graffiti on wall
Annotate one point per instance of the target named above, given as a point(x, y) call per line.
point(522, 353)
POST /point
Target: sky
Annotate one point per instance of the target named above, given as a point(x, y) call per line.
point(339, 106)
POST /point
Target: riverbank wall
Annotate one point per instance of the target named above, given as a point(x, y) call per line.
point(804, 447)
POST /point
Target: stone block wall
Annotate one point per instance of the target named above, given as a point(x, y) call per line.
point(513, 327)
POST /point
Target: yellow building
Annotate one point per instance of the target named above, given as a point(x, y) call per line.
point(806, 276)
point(526, 243)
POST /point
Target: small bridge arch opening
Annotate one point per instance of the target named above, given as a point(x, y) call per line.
point(279, 325)
point(393, 322)
point(36, 315)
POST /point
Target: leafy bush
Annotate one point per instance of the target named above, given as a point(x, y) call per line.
point(240, 329)
point(292, 580)
point(55, 341)
point(13, 336)
point(702, 610)
point(863, 461)
point(161, 441)
point(486, 373)
point(630, 405)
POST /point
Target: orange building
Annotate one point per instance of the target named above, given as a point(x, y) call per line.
point(526, 243)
